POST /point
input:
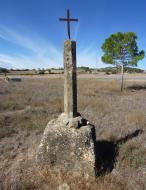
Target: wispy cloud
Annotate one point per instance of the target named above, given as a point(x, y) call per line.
point(28, 62)
point(44, 54)
point(19, 39)
point(90, 57)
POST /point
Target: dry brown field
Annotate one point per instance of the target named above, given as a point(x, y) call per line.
point(119, 117)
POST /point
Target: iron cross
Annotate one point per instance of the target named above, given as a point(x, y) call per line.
point(68, 20)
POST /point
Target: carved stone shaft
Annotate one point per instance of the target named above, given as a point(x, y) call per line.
point(70, 81)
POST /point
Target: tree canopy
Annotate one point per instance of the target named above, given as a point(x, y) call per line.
point(121, 49)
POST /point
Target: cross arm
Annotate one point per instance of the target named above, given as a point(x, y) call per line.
point(71, 19)
point(62, 19)
point(74, 19)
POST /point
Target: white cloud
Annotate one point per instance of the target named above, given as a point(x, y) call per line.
point(45, 54)
point(27, 62)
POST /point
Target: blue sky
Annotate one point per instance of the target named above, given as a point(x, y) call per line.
point(31, 35)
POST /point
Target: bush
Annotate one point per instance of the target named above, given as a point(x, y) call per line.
point(3, 70)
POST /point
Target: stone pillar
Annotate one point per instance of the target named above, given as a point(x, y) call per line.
point(70, 81)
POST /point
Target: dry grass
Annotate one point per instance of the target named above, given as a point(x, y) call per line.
point(25, 109)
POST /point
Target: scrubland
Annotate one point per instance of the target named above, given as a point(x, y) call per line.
point(119, 117)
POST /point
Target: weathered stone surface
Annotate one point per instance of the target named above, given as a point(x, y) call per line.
point(63, 146)
point(63, 186)
point(70, 82)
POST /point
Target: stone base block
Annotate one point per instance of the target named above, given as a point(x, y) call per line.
point(66, 147)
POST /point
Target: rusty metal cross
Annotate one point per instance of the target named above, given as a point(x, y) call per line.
point(68, 20)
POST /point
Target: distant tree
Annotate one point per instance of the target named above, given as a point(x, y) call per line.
point(4, 71)
point(121, 49)
point(49, 71)
point(41, 71)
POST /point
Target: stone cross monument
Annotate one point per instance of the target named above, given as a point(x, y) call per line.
point(70, 81)
point(69, 142)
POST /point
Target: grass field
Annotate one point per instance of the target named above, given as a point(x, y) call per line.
point(119, 117)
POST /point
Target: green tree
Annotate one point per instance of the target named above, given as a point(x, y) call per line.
point(121, 49)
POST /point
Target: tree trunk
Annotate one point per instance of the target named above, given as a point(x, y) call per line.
point(122, 77)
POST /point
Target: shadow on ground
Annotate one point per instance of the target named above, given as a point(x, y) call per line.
point(107, 152)
point(136, 87)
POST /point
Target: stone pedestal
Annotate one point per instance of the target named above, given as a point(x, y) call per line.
point(67, 148)
point(70, 81)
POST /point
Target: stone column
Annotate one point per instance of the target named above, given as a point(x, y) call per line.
point(70, 81)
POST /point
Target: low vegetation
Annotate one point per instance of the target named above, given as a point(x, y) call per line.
point(106, 70)
point(119, 117)
point(117, 70)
